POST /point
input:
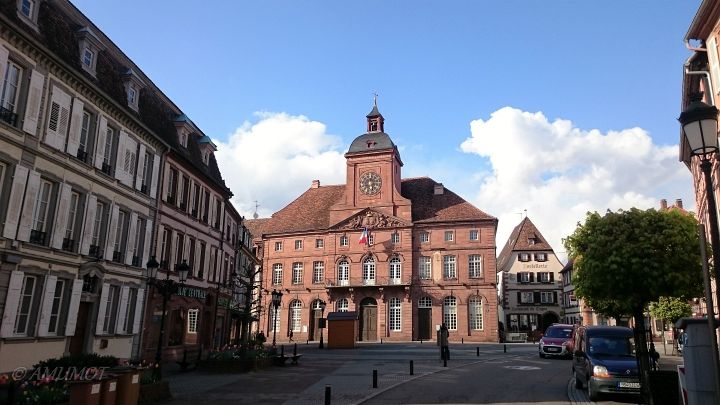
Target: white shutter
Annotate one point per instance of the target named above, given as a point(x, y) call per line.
point(90, 210)
point(48, 295)
point(100, 142)
point(112, 230)
point(130, 161)
point(155, 174)
point(206, 265)
point(130, 240)
point(714, 63)
point(76, 119)
point(61, 219)
point(186, 248)
point(197, 265)
point(16, 202)
point(173, 249)
point(4, 53)
point(26, 218)
point(166, 190)
point(146, 245)
point(120, 172)
point(74, 306)
point(32, 109)
point(101, 309)
point(138, 310)
point(12, 301)
point(120, 321)
point(58, 119)
point(140, 172)
point(211, 210)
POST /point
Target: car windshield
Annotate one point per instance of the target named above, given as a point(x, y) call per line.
point(558, 332)
point(612, 346)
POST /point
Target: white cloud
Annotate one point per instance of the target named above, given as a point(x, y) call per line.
point(275, 159)
point(559, 172)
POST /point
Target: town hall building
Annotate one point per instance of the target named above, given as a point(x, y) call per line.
point(406, 255)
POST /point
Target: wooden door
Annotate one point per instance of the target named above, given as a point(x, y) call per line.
point(77, 342)
point(424, 323)
point(369, 323)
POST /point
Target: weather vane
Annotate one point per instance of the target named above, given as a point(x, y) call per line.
point(375, 96)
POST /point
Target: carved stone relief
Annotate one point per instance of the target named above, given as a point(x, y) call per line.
point(371, 219)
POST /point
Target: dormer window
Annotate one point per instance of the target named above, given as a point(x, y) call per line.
point(133, 84)
point(132, 95)
point(373, 126)
point(183, 139)
point(371, 144)
point(28, 11)
point(89, 46)
point(88, 58)
point(206, 158)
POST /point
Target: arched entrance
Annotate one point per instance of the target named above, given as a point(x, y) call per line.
point(368, 319)
point(548, 318)
point(315, 315)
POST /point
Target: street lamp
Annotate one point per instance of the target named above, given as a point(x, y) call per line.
point(322, 323)
point(700, 129)
point(166, 288)
point(276, 297)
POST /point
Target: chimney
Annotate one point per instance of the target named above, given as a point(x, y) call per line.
point(315, 184)
point(663, 205)
point(439, 189)
point(678, 203)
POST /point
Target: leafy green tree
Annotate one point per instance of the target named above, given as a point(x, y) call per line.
point(624, 260)
point(670, 310)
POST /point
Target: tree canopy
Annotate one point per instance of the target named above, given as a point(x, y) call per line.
point(626, 259)
point(670, 309)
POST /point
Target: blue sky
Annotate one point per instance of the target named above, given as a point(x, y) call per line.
point(471, 91)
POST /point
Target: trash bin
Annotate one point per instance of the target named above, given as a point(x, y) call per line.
point(108, 390)
point(85, 392)
point(128, 386)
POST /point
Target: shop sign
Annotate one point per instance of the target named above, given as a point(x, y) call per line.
point(535, 266)
point(191, 292)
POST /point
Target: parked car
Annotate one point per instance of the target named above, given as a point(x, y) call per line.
point(557, 341)
point(604, 360)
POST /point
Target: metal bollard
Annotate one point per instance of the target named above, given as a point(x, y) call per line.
point(328, 390)
point(444, 362)
point(307, 342)
point(374, 378)
point(282, 350)
point(295, 350)
point(504, 348)
point(380, 341)
point(412, 368)
point(462, 341)
point(477, 351)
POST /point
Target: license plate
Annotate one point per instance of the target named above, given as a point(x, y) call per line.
point(623, 384)
point(553, 349)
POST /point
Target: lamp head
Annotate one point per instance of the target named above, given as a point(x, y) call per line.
point(183, 269)
point(699, 125)
point(151, 268)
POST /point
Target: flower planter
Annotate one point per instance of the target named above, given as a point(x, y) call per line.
point(154, 392)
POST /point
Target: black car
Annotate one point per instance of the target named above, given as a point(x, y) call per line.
point(604, 360)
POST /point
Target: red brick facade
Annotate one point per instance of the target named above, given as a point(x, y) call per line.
point(307, 246)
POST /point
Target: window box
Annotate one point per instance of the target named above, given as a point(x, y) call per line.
point(8, 116)
point(68, 245)
point(37, 237)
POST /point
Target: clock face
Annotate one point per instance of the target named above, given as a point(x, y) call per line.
point(370, 183)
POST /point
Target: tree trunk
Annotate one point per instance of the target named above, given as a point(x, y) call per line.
point(662, 337)
point(641, 353)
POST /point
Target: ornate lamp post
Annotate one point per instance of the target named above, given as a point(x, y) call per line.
point(700, 129)
point(322, 323)
point(166, 288)
point(276, 297)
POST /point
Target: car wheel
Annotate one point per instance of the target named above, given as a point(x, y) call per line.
point(578, 383)
point(542, 355)
point(592, 394)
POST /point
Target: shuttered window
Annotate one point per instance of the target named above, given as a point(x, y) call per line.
point(57, 304)
point(42, 208)
point(26, 305)
point(130, 310)
point(111, 309)
point(11, 86)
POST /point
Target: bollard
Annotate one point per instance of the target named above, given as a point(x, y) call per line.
point(282, 350)
point(374, 378)
point(327, 394)
point(295, 350)
point(420, 341)
point(477, 351)
point(444, 362)
point(307, 342)
point(504, 348)
point(462, 341)
point(412, 368)
point(380, 341)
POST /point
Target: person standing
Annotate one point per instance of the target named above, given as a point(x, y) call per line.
point(444, 347)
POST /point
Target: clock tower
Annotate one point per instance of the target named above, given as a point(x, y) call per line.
point(373, 174)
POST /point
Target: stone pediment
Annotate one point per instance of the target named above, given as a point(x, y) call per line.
point(370, 219)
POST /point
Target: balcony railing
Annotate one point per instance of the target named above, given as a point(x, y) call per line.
point(37, 237)
point(360, 282)
point(82, 155)
point(136, 261)
point(107, 169)
point(8, 116)
point(95, 251)
point(118, 256)
point(68, 245)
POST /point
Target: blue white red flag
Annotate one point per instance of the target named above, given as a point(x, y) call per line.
point(364, 236)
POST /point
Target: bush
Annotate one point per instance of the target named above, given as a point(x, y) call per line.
point(79, 361)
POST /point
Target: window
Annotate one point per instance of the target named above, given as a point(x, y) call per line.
point(273, 320)
point(185, 194)
point(111, 309)
point(425, 302)
point(395, 314)
point(531, 241)
point(137, 246)
point(524, 277)
point(179, 247)
point(449, 269)
point(544, 277)
point(297, 273)
point(343, 272)
point(295, 316)
point(278, 246)
point(475, 266)
point(541, 257)
point(277, 274)
point(132, 98)
point(10, 92)
point(424, 237)
point(475, 312)
point(369, 271)
point(85, 132)
point(172, 185)
point(108, 157)
point(201, 270)
point(395, 238)
point(41, 213)
point(474, 234)
point(524, 257)
point(192, 320)
point(449, 236)
point(118, 251)
point(425, 267)
point(395, 271)
point(298, 244)
point(97, 235)
point(319, 243)
point(318, 272)
point(526, 297)
point(450, 312)
point(27, 8)
point(371, 239)
point(26, 306)
point(344, 240)
point(342, 305)
point(69, 241)
point(547, 297)
point(87, 58)
point(129, 320)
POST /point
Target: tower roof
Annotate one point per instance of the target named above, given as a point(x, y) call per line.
point(374, 113)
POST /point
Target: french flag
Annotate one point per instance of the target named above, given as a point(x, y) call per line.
point(364, 236)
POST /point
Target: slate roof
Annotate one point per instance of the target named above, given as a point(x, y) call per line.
point(311, 210)
point(381, 139)
point(518, 242)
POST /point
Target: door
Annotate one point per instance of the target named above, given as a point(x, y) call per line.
point(368, 320)
point(424, 323)
point(315, 324)
point(77, 342)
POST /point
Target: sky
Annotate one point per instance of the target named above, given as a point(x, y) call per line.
point(548, 109)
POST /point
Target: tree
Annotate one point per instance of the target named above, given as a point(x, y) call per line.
point(670, 310)
point(247, 284)
point(624, 260)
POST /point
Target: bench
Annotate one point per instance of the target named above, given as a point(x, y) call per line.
point(295, 358)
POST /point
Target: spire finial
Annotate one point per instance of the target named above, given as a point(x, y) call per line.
point(255, 215)
point(375, 96)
